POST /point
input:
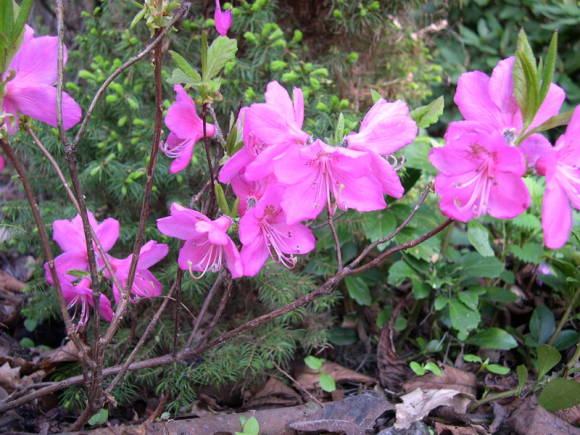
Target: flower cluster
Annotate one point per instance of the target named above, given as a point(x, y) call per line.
point(481, 168)
point(283, 177)
point(74, 261)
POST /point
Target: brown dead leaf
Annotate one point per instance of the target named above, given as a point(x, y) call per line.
point(274, 392)
point(309, 378)
point(66, 353)
point(445, 429)
point(10, 284)
point(353, 415)
point(452, 378)
point(10, 377)
point(531, 419)
point(419, 403)
point(571, 415)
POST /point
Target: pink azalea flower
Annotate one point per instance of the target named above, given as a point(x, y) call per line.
point(69, 235)
point(265, 233)
point(186, 130)
point(223, 20)
point(145, 284)
point(29, 84)
point(386, 128)
point(207, 243)
point(269, 129)
point(317, 174)
point(81, 294)
point(561, 166)
point(249, 192)
point(1, 163)
point(480, 174)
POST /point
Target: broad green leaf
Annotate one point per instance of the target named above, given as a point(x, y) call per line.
point(378, 224)
point(542, 324)
point(327, 382)
point(549, 67)
point(471, 297)
point(476, 266)
point(497, 369)
point(251, 426)
point(522, 374)
point(434, 368)
point(548, 357)
point(185, 67)
point(313, 362)
point(399, 272)
point(498, 294)
point(468, 357)
point(531, 252)
point(478, 236)
point(463, 318)
point(440, 302)
point(343, 336)
point(421, 290)
point(178, 77)
point(100, 417)
point(358, 290)
point(493, 338)
point(375, 96)
point(566, 339)
point(220, 52)
point(417, 368)
point(559, 394)
point(428, 115)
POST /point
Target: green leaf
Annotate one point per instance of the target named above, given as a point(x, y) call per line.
point(468, 357)
point(23, 14)
point(478, 236)
point(327, 382)
point(339, 131)
point(26, 343)
point(527, 221)
point(378, 224)
point(220, 52)
point(358, 290)
point(420, 289)
point(566, 339)
point(542, 324)
point(470, 297)
point(30, 324)
point(531, 252)
point(185, 67)
point(375, 96)
point(493, 338)
point(549, 67)
point(342, 336)
point(548, 357)
point(7, 19)
point(400, 272)
point(313, 362)
point(100, 417)
point(221, 199)
point(554, 121)
point(434, 368)
point(522, 374)
point(463, 318)
point(428, 115)
point(78, 273)
point(251, 426)
point(559, 394)
point(498, 294)
point(476, 266)
point(497, 369)
point(417, 368)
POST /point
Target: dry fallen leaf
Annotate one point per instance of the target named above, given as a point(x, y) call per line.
point(66, 353)
point(445, 429)
point(452, 378)
point(274, 392)
point(309, 378)
point(531, 419)
point(10, 377)
point(353, 415)
point(419, 403)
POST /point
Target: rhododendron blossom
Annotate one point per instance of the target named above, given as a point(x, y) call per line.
point(561, 166)
point(207, 245)
point(145, 285)
point(186, 130)
point(81, 294)
point(265, 233)
point(318, 176)
point(29, 84)
point(480, 174)
point(223, 19)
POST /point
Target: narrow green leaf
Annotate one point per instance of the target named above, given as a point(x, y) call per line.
point(185, 66)
point(548, 357)
point(523, 46)
point(549, 67)
point(493, 338)
point(339, 130)
point(468, 357)
point(554, 121)
point(375, 96)
point(327, 383)
point(522, 374)
point(478, 236)
point(25, 7)
point(497, 369)
point(428, 115)
point(559, 394)
point(7, 18)
point(221, 199)
point(204, 65)
point(434, 368)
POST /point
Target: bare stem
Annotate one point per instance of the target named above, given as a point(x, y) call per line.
point(565, 317)
point(204, 307)
point(336, 242)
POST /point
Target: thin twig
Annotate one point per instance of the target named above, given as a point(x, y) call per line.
point(222, 305)
point(204, 307)
point(180, 13)
point(336, 242)
point(297, 384)
point(218, 131)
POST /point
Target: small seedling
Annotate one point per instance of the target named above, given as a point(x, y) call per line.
point(326, 381)
point(422, 369)
point(496, 369)
point(250, 426)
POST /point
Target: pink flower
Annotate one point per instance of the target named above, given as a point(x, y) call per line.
point(386, 128)
point(81, 294)
point(145, 284)
point(29, 84)
point(317, 174)
point(480, 174)
point(265, 233)
point(249, 192)
point(223, 20)
point(207, 243)
point(186, 130)
point(269, 129)
point(561, 166)
point(1, 163)
point(70, 236)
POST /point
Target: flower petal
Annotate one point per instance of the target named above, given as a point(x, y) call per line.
point(509, 196)
point(473, 99)
point(556, 216)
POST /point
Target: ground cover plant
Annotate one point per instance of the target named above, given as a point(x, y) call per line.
point(222, 198)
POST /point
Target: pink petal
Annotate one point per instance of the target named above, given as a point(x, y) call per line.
point(263, 165)
point(233, 259)
point(296, 165)
point(385, 174)
point(235, 165)
point(501, 91)
point(191, 255)
point(108, 232)
point(105, 308)
point(254, 255)
point(298, 98)
point(278, 99)
point(249, 228)
point(556, 216)
point(180, 225)
point(535, 147)
point(302, 202)
point(223, 20)
point(509, 159)
point(362, 194)
point(473, 99)
point(509, 196)
point(68, 261)
point(181, 162)
point(551, 105)
point(35, 62)
point(183, 121)
point(39, 102)
point(300, 238)
point(151, 254)
point(69, 234)
point(1, 163)
point(452, 198)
